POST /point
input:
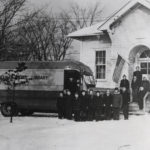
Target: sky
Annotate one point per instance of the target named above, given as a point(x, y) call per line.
point(109, 6)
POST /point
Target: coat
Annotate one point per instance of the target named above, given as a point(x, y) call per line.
point(124, 83)
point(68, 103)
point(98, 102)
point(60, 103)
point(91, 102)
point(146, 85)
point(108, 100)
point(135, 84)
point(117, 101)
point(84, 103)
point(76, 104)
point(138, 74)
point(125, 98)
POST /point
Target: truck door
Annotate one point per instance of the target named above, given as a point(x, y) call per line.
point(72, 80)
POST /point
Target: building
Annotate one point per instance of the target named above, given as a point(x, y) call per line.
point(127, 34)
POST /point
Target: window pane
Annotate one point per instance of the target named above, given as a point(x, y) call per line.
point(148, 65)
point(144, 71)
point(100, 71)
point(100, 57)
point(143, 65)
point(100, 64)
point(145, 54)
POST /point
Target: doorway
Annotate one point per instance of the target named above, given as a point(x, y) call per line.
point(139, 56)
point(72, 80)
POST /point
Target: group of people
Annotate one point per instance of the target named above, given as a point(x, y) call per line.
point(88, 106)
point(139, 86)
point(93, 105)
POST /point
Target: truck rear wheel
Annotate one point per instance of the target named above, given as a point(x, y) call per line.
point(8, 109)
point(26, 112)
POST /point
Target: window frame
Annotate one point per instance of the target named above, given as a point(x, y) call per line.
point(105, 64)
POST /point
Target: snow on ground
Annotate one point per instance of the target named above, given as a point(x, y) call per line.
point(46, 132)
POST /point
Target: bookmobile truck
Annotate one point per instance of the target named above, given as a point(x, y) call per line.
point(48, 79)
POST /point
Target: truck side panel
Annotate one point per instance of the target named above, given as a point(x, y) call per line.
point(40, 93)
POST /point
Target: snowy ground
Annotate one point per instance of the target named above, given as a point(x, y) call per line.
point(46, 132)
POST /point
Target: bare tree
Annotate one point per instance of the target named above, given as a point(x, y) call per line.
point(83, 16)
point(45, 35)
point(9, 14)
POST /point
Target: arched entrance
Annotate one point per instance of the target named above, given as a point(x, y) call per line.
point(139, 56)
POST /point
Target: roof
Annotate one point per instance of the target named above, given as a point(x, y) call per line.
point(91, 30)
point(105, 25)
point(66, 64)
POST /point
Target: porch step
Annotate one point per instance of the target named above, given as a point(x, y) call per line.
point(134, 109)
point(133, 106)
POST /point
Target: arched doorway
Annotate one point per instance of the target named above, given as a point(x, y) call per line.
point(139, 56)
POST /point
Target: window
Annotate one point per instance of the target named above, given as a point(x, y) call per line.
point(145, 67)
point(145, 54)
point(145, 62)
point(100, 64)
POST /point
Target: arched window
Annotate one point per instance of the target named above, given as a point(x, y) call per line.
point(145, 54)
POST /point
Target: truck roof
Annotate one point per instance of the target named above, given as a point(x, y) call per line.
point(66, 64)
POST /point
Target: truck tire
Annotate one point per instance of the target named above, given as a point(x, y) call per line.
point(8, 109)
point(26, 112)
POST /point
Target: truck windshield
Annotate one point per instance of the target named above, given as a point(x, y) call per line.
point(89, 80)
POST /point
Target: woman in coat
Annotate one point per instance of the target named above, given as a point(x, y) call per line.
point(68, 105)
point(116, 104)
point(76, 106)
point(108, 105)
point(125, 103)
point(135, 88)
point(60, 105)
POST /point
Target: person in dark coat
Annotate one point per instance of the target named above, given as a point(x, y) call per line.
point(125, 103)
point(145, 84)
point(98, 101)
point(68, 105)
point(84, 106)
point(108, 105)
point(64, 99)
point(76, 106)
point(138, 75)
point(144, 88)
point(60, 105)
point(116, 104)
point(91, 108)
point(124, 83)
point(135, 88)
point(141, 95)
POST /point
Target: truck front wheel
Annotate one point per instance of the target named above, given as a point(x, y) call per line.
point(8, 109)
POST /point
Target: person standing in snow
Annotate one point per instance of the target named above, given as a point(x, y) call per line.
point(144, 88)
point(108, 105)
point(125, 104)
point(76, 106)
point(135, 87)
point(116, 104)
point(68, 105)
point(98, 105)
point(64, 99)
point(84, 106)
point(91, 109)
point(60, 105)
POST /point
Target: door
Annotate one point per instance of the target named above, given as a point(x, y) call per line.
point(72, 80)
